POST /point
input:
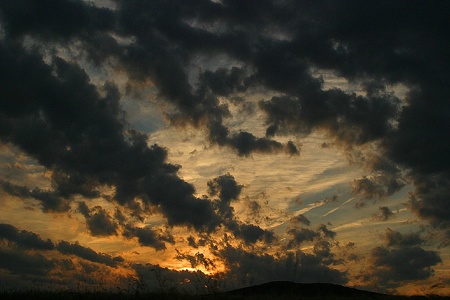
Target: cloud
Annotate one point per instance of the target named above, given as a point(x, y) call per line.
point(397, 239)
point(429, 198)
point(69, 128)
point(225, 187)
point(147, 236)
point(264, 61)
point(301, 235)
point(22, 263)
point(301, 219)
point(87, 253)
point(25, 239)
point(196, 260)
point(73, 125)
point(397, 262)
point(384, 214)
point(50, 200)
point(256, 268)
point(98, 220)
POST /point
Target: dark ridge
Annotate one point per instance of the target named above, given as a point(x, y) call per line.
point(309, 290)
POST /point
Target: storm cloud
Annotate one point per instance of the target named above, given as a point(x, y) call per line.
point(377, 53)
point(252, 79)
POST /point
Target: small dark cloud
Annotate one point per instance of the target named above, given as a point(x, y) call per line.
point(196, 260)
point(147, 236)
point(250, 233)
point(50, 200)
point(384, 214)
point(86, 253)
point(301, 219)
point(254, 208)
point(397, 239)
point(292, 149)
point(327, 233)
point(24, 239)
point(196, 243)
point(224, 82)
point(225, 187)
point(379, 186)
point(98, 220)
point(301, 235)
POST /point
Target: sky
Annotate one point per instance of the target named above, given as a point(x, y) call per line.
point(213, 144)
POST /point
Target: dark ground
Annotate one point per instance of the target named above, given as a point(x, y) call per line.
point(272, 290)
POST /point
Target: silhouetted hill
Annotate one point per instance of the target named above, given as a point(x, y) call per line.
point(277, 290)
point(291, 290)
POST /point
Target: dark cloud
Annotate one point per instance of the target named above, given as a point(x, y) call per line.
point(300, 235)
point(22, 263)
point(59, 118)
point(250, 233)
point(195, 244)
point(147, 236)
point(51, 201)
point(255, 268)
point(397, 239)
point(246, 143)
point(301, 219)
point(196, 260)
point(401, 260)
point(273, 57)
point(402, 264)
point(327, 233)
point(430, 197)
point(225, 187)
point(25, 239)
point(51, 19)
point(384, 213)
point(225, 82)
point(98, 220)
point(51, 110)
point(87, 253)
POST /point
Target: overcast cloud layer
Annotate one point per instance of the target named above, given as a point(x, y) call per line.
point(85, 87)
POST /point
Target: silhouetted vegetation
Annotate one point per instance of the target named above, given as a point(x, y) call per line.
point(273, 290)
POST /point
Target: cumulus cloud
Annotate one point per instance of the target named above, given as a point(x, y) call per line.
point(83, 139)
point(257, 268)
point(164, 54)
point(301, 219)
point(147, 236)
point(98, 220)
point(51, 201)
point(74, 126)
point(196, 260)
point(301, 235)
point(401, 260)
point(87, 253)
point(24, 238)
point(384, 214)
